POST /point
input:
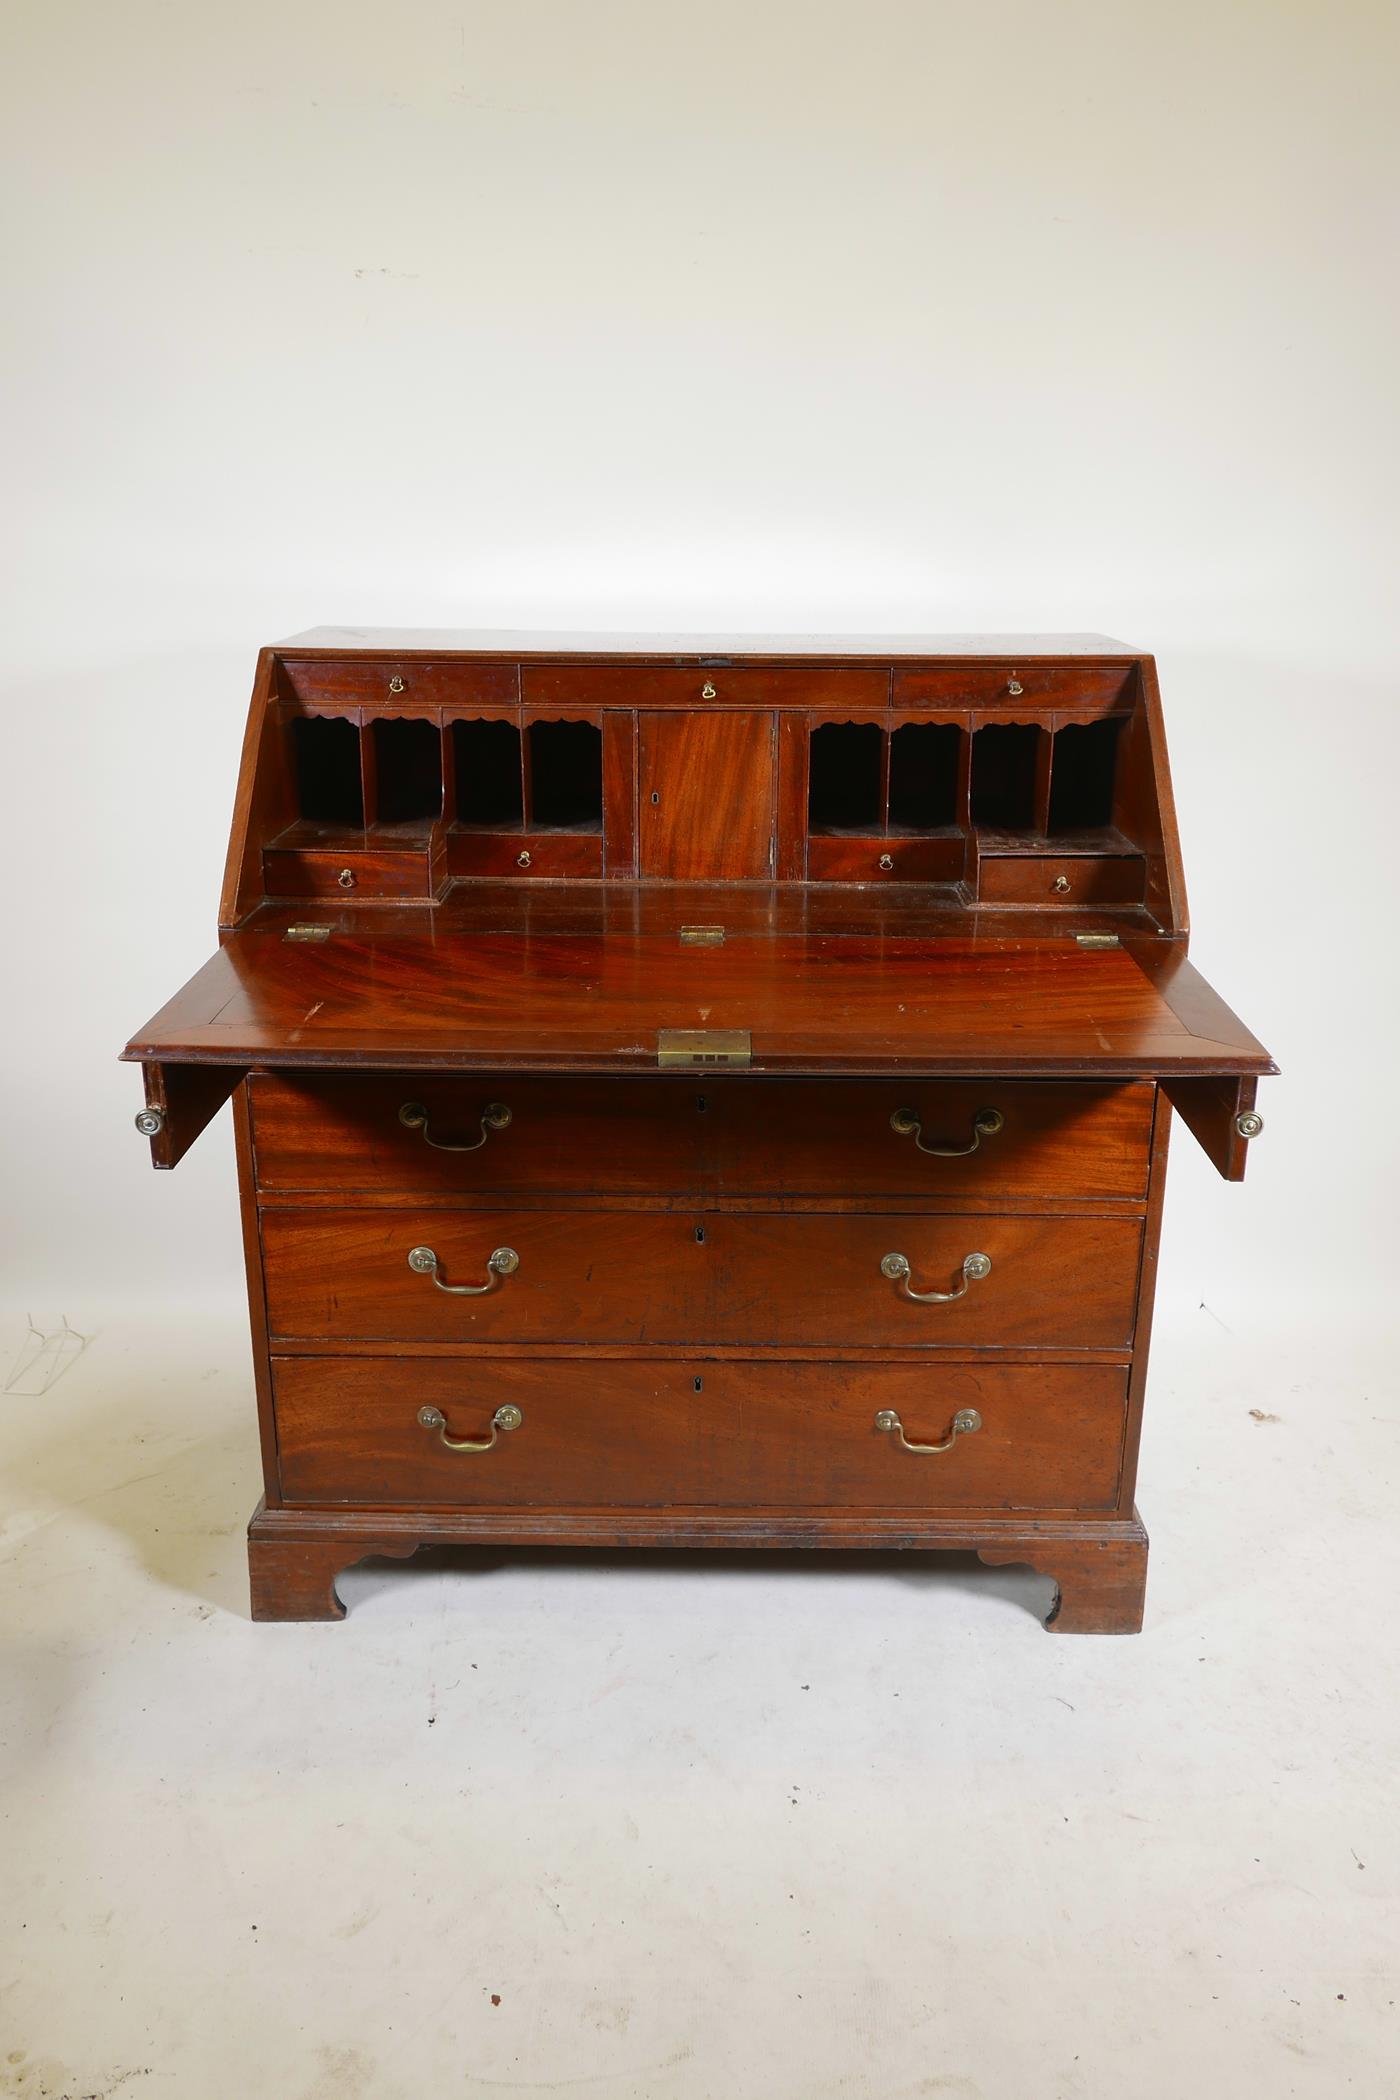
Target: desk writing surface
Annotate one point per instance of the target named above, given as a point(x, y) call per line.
point(594, 1002)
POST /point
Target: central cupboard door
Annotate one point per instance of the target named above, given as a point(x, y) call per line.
point(707, 790)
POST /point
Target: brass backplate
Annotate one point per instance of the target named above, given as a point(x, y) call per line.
point(307, 933)
point(702, 936)
point(697, 1047)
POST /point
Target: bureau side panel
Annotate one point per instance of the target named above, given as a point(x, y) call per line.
point(1147, 1295)
point(257, 1295)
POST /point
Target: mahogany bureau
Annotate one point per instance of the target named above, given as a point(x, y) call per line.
point(693, 1096)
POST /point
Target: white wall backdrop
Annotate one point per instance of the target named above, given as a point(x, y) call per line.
point(751, 317)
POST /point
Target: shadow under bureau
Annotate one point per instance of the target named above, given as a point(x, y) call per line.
point(695, 1096)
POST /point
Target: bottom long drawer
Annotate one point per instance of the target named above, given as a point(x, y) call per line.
point(589, 1433)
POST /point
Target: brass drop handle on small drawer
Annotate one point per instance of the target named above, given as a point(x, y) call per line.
point(503, 1262)
point(986, 1123)
point(965, 1422)
point(896, 1266)
point(495, 1116)
point(507, 1417)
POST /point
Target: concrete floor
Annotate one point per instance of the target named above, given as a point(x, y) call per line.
point(662, 1828)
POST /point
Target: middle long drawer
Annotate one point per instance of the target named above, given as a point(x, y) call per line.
point(659, 1278)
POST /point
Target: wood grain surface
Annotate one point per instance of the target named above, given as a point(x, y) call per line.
point(706, 1133)
point(719, 1435)
point(1016, 1009)
point(660, 1276)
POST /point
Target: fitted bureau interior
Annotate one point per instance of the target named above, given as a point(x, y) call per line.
point(947, 782)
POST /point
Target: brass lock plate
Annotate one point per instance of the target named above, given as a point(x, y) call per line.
point(697, 1048)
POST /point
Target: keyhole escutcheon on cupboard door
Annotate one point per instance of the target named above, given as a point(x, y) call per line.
point(706, 796)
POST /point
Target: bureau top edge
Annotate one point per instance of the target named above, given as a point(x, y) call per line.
point(691, 649)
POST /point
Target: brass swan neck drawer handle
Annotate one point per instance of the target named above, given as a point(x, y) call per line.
point(965, 1422)
point(495, 1116)
point(503, 1262)
point(507, 1417)
point(986, 1123)
point(896, 1266)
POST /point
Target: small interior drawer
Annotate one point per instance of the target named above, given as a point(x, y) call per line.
point(405, 684)
point(697, 1434)
point(701, 686)
point(1015, 684)
point(878, 859)
point(1070, 879)
point(547, 856)
point(354, 872)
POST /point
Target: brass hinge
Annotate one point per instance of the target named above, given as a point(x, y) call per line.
point(693, 1047)
point(1096, 940)
point(307, 933)
point(702, 936)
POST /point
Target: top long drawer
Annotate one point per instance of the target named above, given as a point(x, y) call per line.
point(428, 1137)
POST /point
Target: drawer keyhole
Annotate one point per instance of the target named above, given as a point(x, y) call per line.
point(699, 1235)
point(655, 799)
point(699, 1384)
point(701, 1103)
